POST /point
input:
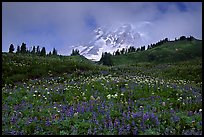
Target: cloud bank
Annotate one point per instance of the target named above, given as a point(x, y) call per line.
point(64, 24)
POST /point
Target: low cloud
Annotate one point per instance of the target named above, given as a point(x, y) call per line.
point(65, 24)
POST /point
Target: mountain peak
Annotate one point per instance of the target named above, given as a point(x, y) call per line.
point(110, 40)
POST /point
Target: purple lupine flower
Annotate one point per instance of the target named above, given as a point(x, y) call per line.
point(116, 123)
point(137, 114)
point(128, 115)
point(172, 111)
point(120, 131)
point(128, 127)
point(78, 108)
point(200, 123)
point(82, 109)
point(190, 113)
point(110, 123)
point(13, 132)
point(13, 119)
point(95, 131)
point(64, 108)
point(142, 125)
point(89, 131)
point(71, 110)
point(105, 124)
point(133, 123)
point(35, 119)
point(124, 115)
point(135, 130)
point(155, 118)
point(175, 118)
point(146, 116)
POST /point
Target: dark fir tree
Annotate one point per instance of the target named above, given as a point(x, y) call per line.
point(122, 51)
point(23, 48)
point(43, 52)
point(106, 59)
point(117, 52)
point(138, 49)
point(191, 38)
point(50, 53)
point(142, 48)
point(18, 49)
point(182, 38)
point(54, 52)
point(166, 40)
point(75, 52)
point(33, 51)
point(38, 50)
point(11, 48)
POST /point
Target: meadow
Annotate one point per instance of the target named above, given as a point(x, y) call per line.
point(79, 98)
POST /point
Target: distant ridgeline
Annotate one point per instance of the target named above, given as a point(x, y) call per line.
point(164, 51)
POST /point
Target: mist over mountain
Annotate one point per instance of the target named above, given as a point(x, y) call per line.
point(109, 39)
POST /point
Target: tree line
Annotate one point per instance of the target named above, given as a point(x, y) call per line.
point(106, 57)
point(35, 50)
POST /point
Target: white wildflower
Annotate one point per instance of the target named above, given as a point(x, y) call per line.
point(109, 96)
point(76, 114)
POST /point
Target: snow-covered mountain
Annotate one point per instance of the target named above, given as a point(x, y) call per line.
point(109, 40)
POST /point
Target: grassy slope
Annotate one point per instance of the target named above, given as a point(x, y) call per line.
point(172, 60)
point(17, 67)
point(177, 60)
point(166, 53)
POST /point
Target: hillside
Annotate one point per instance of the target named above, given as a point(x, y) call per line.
point(19, 67)
point(71, 95)
point(169, 52)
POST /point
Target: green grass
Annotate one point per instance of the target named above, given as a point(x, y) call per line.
point(169, 52)
point(20, 67)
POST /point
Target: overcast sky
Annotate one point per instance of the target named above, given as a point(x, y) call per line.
point(64, 24)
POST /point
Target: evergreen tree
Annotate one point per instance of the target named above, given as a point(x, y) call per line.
point(142, 48)
point(190, 38)
point(54, 52)
point(11, 48)
point(43, 52)
point(117, 52)
point(122, 51)
point(33, 51)
point(50, 53)
point(23, 48)
point(75, 52)
point(38, 50)
point(166, 40)
point(106, 59)
point(182, 38)
point(18, 49)
point(149, 47)
point(138, 49)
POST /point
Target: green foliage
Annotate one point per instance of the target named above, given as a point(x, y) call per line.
point(168, 52)
point(17, 67)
